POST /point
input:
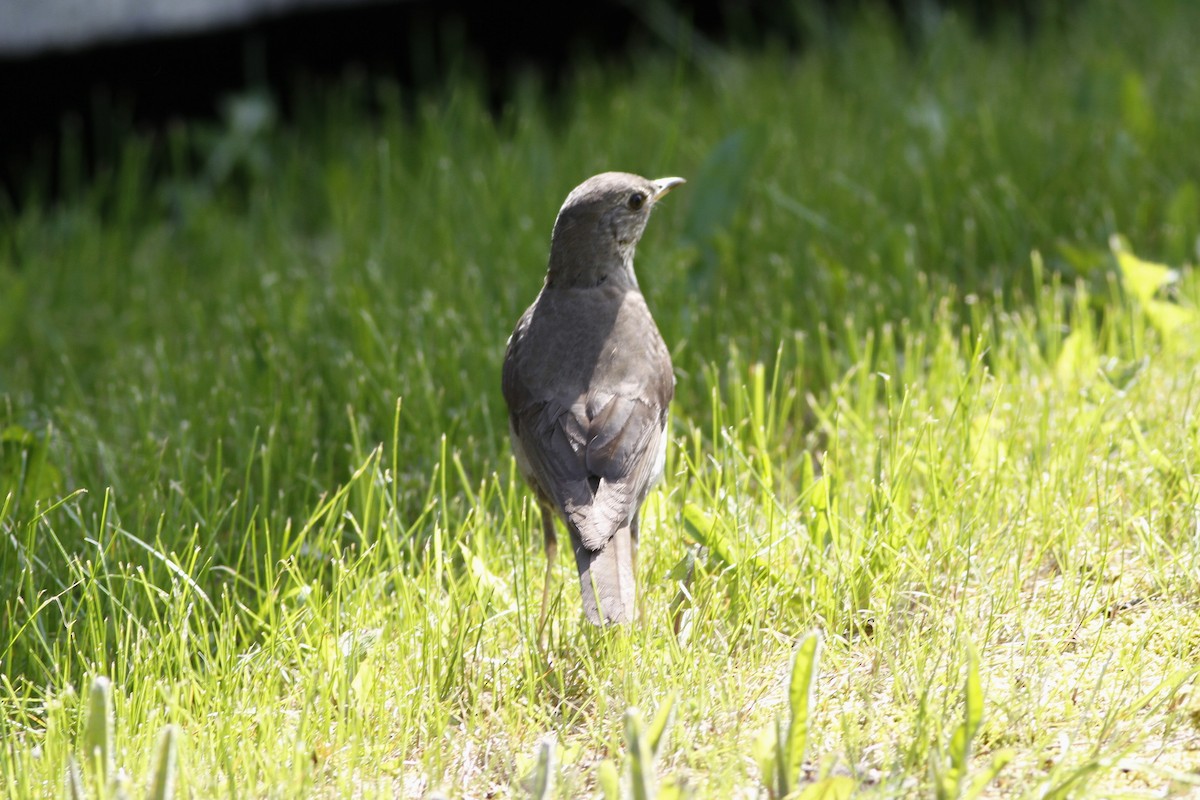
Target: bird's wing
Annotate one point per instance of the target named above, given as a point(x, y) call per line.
point(624, 457)
point(551, 443)
point(595, 456)
point(549, 438)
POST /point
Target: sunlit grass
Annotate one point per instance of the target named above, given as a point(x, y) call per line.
point(255, 468)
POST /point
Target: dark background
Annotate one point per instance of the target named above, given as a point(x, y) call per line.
point(92, 97)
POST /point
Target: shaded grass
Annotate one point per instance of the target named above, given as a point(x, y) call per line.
point(279, 509)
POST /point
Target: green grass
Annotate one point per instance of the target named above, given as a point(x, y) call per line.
point(254, 465)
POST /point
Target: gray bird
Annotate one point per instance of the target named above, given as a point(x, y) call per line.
point(588, 380)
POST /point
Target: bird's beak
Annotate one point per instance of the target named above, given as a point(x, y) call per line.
point(664, 185)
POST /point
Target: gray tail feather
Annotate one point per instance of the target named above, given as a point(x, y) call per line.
point(606, 579)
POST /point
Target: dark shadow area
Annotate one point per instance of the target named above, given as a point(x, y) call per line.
point(91, 99)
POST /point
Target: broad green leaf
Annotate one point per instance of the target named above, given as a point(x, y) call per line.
point(973, 694)
point(1121, 374)
point(354, 651)
point(99, 730)
point(964, 734)
point(1168, 318)
point(765, 745)
point(661, 722)
point(1083, 259)
point(487, 583)
point(609, 780)
point(641, 765)
point(545, 769)
point(685, 568)
point(1137, 115)
point(988, 448)
point(25, 467)
point(1163, 464)
point(801, 695)
point(1077, 357)
point(807, 473)
point(709, 532)
point(782, 784)
point(675, 789)
point(162, 774)
point(1143, 278)
point(683, 573)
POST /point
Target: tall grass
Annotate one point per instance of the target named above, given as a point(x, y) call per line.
point(254, 465)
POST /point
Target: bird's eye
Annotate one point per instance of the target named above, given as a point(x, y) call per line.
point(637, 200)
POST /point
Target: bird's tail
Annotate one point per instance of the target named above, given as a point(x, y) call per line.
point(606, 578)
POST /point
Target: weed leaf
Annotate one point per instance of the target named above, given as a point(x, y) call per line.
point(801, 695)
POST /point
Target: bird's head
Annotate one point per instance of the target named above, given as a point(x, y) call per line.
point(599, 225)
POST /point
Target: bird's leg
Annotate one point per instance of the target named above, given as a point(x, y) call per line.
point(633, 540)
point(551, 554)
point(633, 548)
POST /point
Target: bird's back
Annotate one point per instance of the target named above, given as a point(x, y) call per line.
point(588, 381)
